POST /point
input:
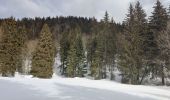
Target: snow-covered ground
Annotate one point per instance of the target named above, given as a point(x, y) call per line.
point(58, 88)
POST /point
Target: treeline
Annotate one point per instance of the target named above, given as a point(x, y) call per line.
point(139, 47)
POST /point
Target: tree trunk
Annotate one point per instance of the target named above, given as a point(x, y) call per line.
point(163, 76)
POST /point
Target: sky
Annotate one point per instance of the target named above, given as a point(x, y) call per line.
point(85, 8)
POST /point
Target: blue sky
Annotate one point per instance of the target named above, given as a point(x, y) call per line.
point(86, 8)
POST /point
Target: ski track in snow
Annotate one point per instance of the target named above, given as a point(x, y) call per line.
point(58, 88)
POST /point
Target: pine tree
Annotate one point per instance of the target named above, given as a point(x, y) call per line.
point(71, 61)
point(168, 12)
point(21, 39)
point(75, 60)
point(91, 48)
point(80, 53)
point(106, 17)
point(97, 57)
point(158, 20)
point(125, 56)
point(64, 48)
point(164, 47)
point(141, 30)
point(157, 24)
point(10, 48)
point(43, 58)
point(101, 49)
point(131, 57)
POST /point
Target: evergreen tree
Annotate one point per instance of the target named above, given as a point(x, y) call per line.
point(158, 20)
point(80, 53)
point(20, 39)
point(141, 31)
point(64, 48)
point(96, 54)
point(164, 47)
point(125, 56)
point(10, 47)
point(101, 49)
point(43, 58)
point(131, 56)
point(168, 12)
point(157, 24)
point(13, 41)
point(106, 17)
point(72, 61)
point(75, 60)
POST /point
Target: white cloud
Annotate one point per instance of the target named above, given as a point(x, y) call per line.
point(31, 8)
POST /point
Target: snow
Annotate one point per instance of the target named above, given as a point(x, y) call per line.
point(23, 87)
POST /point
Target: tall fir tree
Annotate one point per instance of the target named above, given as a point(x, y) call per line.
point(12, 44)
point(164, 56)
point(75, 59)
point(10, 47)
point(96, 65)
point(168, 12)
point(8, 50)
point(101, 49)
point(64, 48)
point(72, 61)
point(80, 70)
point(43, 57)
point(157, 24)
point(21, 41)
point(131, 56)
point(158, 20)
point(106, 17)
point(125, 56)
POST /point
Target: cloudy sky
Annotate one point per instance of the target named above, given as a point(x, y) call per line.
point(89, 8)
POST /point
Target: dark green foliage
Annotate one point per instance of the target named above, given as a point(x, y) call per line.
point(136, 47)
point(106, 17)
point(97, 65)
point(64, 48)
point(168, 12)
point(158, 20)
point(132, 54)
point(75, 58)
point(157, 24)
point(43, 58)
point(101, 49)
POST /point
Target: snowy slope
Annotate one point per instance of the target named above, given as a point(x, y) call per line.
point(58, 88)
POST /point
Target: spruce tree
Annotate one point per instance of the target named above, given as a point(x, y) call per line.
point(106, 17)
point(21, 40)
point(131, 57)
point(158, 20)
point(168, 12)
point(75, 59)
point(157, 24)
point(125, 56)
point(164, 56)
point(43, 57)
point(64, 48)
point(72, 61)
point(10, 48)
point(98, 67)
point(80, 53)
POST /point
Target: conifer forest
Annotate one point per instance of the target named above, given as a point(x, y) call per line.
point(138, 47)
